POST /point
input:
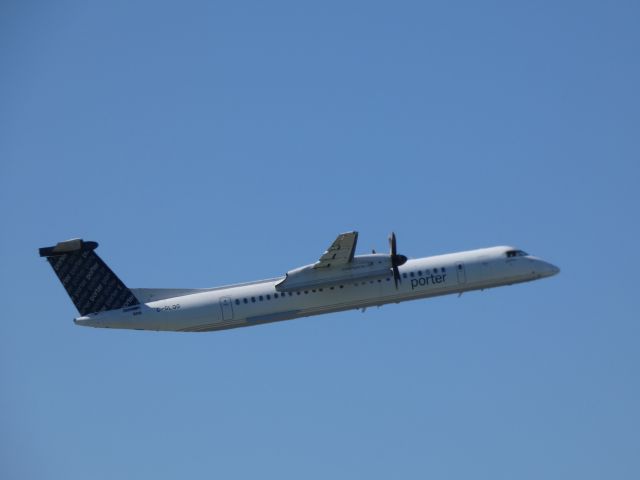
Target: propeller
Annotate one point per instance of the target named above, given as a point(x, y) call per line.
point(396, 260)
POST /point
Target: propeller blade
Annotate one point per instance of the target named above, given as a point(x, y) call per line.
point(396, 276)
point(396, 260)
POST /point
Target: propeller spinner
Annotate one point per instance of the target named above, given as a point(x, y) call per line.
point(396, 260)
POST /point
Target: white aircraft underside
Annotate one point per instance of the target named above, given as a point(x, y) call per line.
point(338, 281)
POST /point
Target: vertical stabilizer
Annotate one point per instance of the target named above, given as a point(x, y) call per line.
point(91, 284)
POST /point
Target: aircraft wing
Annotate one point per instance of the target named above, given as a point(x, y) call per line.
point(340, 252)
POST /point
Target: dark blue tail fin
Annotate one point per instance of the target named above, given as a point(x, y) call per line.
point(91, 284)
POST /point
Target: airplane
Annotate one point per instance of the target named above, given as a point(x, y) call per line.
point(339, 280)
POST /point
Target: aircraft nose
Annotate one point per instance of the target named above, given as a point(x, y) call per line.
point(548, 269)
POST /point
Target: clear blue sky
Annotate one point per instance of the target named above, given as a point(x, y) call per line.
point(204, 143)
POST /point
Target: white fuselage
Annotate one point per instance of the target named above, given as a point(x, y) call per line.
point(260, 302)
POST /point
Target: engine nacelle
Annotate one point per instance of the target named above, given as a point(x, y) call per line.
point(362, 267)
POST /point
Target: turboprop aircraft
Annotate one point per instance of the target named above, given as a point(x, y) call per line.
point(339, 280)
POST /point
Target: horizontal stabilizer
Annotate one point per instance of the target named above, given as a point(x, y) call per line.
point(70, 246)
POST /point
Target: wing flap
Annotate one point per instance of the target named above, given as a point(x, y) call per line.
point(146, 295)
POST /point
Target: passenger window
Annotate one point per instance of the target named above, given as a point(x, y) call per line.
point(245, 300)
point(261, 298)
point(268, 297)
point(411, 275)
point(253, 299)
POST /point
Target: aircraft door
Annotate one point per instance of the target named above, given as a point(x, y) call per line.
point(227, 308)
point(462, 274)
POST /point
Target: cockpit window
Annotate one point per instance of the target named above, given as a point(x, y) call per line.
point(516, 253)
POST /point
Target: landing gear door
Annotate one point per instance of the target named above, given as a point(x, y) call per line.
point(227, 308)
point(462, 274)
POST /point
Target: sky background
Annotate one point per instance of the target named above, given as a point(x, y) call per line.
point(206, 143)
